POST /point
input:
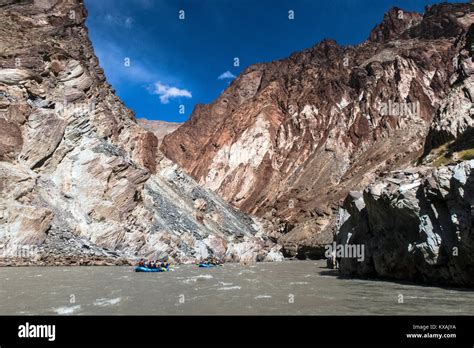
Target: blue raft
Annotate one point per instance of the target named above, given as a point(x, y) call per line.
point(207, 265)
point(146, 269)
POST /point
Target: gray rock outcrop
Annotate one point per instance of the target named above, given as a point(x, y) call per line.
point(415, 225)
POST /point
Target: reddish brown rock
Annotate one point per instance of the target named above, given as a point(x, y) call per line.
point(11, 140)
point(287, 140)
point(147, 150)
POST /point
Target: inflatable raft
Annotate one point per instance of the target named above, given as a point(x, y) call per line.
point(146, 269)
point(207, 265)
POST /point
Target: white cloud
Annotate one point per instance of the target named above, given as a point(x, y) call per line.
point(226, 75)
point(121, 21)
point(166, 92)
point(128, 22)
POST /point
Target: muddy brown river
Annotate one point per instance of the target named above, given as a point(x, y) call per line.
point(290, 287)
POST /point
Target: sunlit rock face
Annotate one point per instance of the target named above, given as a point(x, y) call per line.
point(80, 181)
point(288, 140)
point(417, 223)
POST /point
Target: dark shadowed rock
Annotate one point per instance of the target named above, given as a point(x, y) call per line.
point(420, 229)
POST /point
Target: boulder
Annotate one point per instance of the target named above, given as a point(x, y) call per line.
point(423, 233)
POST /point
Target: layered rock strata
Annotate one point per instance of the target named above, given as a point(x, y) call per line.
point(80, 181)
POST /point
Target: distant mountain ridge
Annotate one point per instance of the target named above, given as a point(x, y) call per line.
point(159, 128)
point(288, 140)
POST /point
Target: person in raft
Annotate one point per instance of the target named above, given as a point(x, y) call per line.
point(160, 264)
point(211, 260)
point(154, 264)
point(165, 263)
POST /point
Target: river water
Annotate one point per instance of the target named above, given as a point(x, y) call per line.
point(290, 287)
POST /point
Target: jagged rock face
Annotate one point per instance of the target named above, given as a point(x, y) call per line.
point(80, 181)
point(454, 120)
point(287, 140)
point(415, 225)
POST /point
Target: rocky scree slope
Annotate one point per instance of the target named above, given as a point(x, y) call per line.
point(288, 140)
point(80, 181)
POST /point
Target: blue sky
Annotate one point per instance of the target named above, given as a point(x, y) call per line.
point(173, 62)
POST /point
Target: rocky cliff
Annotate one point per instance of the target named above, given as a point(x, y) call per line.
point(80, 181)
point(417, 223)
point(289, 139)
